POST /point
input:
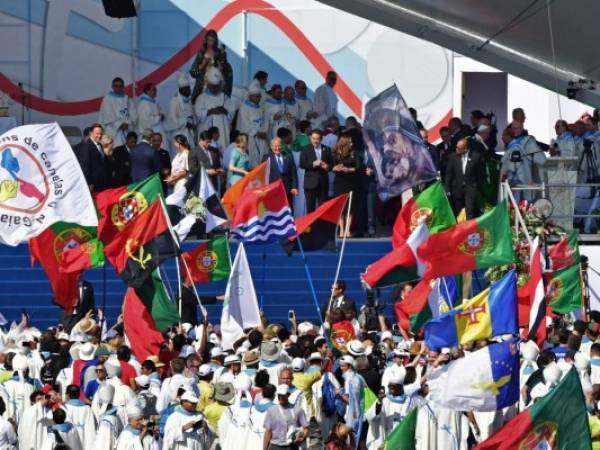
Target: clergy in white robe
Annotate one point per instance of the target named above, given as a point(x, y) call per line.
point(234, 424)
point(185, 428)
point(18, 389)
point(180, 115)
point(274, 110)
point(564, 144)
point(117, 113)
point(306, 110)
point(214, 108)
point(81, 416)
point(251, 121)
point(34, 424)
point(291, 110)
point(440, 428)
point(110, 424)
point(66, 430)
point(148, 111)
point(326, 100)
point(8, 436)
point(134, 436)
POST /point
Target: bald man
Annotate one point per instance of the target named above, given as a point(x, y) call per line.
point(464, 175)
point(282, 167)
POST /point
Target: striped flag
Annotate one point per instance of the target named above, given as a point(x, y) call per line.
point(537, 313)
point(263, 215)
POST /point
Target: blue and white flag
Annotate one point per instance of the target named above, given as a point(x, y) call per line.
point(400, 155)
point(485, 380)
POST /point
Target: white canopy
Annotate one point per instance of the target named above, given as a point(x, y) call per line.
point(511, 35)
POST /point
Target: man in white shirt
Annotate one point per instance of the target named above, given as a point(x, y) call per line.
point(326, 100)
point(81, 416)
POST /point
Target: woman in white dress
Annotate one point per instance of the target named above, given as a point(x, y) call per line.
point(179, 165)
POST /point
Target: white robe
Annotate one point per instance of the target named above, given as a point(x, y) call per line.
point(527, 368)
point(109, 429)
point(441, 429)
point(114, 111)
point(179, 115)
point(291, 115)
point(64, 379)
point(35, 362)
point(8, 437)
point(274, 108)
point(325, 102)
point(168, 391)
point(207, 100)
point(18, 398)
point(251, 120)
point(529, 170)
point(235, 426)
point(305, 106)
point(273, 370)
point(33, 428)
point(177, 439)
point(130, 440)
point(82, 418)
point(69, 435)
point(148, 112)
point(566, 144)
point(391, 413)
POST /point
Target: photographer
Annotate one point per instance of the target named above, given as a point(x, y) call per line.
point(186, 428)
point(136, 433)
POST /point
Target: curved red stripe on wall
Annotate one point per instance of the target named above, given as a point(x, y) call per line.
point(180, 58)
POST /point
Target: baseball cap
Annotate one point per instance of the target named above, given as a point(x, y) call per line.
point(297, 364)
point(189, 396)
point(283, 389)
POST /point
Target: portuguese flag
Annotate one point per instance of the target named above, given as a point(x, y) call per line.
point(402, 436)
point(86, 255)
point(431, 203)
point(565, 253)
point(210, 261)
point(563, 290)
point(50, 248)
point(118, 206)
point(142, 246)
point(341, 334)
point(147, 311)
point(474, 244)
point(414, 310)
point(317, 229)
point(400, 265)
point(557, 421)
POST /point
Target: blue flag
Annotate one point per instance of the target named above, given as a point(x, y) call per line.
point(401, 158)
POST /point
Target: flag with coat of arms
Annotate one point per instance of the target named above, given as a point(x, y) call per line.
point(263, 215)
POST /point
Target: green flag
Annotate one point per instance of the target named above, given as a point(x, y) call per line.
point(154, 296)
point(563, 291)
point(403, 436)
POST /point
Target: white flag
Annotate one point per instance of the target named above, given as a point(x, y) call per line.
point(215, 214)
point(240, 308)
point(41, 183)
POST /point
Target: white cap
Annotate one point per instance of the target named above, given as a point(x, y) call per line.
point(314, 356)
point(204, 370)
point(283, 389)
point(142, 380)
point(182, 81)
point(397, 375)
point(133, 410)
point(213, 76)
point(387, 335)
point(538, 391)
point(254, 88)
point(106, 393)
point(529, 350)
point(86, 351)
point(552, 373)
point(189, 396)
point(356, 348)
point(215, 352)
point(347, 359)
point(297, 364)
point(304, 328)
point(19, 363)
point(232, 359)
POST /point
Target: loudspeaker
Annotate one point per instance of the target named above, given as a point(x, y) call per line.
point(119, 8)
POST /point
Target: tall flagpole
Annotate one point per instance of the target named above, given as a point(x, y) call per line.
point(310, 282)
point(339, 266)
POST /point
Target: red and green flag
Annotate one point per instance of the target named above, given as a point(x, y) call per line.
point(147, 312)
point(565, 253)
point(209, 261)
point(414, 310)
point(341, 334)
point(86, 255)
point(474, 244)
point(558, 421)
point(402, 436)
point(563, 290)
point(50, 248)
point(433, 204)
point(142, 246)
point(117, 207)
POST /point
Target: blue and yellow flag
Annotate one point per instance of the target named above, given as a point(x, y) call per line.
point(492, 312)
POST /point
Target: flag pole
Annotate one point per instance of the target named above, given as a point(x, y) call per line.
point(264, 275)
point(339, 266)
point(187, 270)
point(310, 281)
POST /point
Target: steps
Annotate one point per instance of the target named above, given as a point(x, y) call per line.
point(280, 281)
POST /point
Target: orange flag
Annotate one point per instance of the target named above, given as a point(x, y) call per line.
point(257, 177)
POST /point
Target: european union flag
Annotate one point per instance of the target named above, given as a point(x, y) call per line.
point(492, 312)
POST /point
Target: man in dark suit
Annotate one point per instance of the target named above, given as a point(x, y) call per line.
point(316, 160)
point(456, 132)
point(283, 167)
point(121, 162)
point(77, 148)
point(144, 159)
point(339, 299)
point(84, 303)
point(464, 175)
point(164, 157)
point(443, 149)
point(95, 164)
point(204, 156)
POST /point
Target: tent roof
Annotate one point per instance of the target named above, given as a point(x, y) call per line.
point(511, 35)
